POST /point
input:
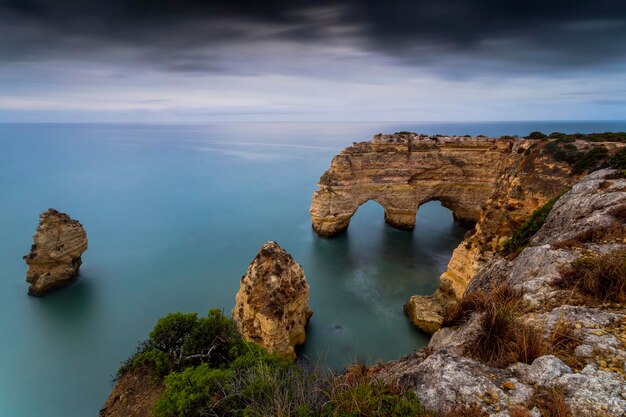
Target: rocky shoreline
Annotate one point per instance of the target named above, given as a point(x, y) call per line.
point(515, 333)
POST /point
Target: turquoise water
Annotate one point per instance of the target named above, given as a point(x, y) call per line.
point(174, 214)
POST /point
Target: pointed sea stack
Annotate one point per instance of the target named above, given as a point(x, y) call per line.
point(55, 256)
point(272, 305)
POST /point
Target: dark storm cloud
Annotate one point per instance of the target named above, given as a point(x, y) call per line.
point(446, 35)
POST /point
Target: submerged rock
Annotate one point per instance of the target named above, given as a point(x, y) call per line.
point(55, 256)
point(272, 305)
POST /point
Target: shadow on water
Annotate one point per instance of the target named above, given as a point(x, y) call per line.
point(70, 306)
point(364, 276)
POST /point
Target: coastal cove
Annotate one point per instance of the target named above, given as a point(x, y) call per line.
point(174, 214)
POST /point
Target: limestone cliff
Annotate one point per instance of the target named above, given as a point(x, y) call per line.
point(403, 171)
point(494, 184)
point(272, 305)
point(584, 338)
point(55, 256)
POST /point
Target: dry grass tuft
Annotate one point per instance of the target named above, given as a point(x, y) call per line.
point(615, 231)
point(601, 279)
point(455, 314)
point(503, 339)
point(563, 342)
point(459, 312)
point(551, 403)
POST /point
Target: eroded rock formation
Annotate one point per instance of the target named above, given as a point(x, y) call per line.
point(55, 256)
point(402, 172)
point(446, 374)
point(272, 305)
point(493, 183)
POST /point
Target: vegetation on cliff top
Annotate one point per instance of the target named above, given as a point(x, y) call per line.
point(209, 370)
point(599, 278)
point(523, 235)
point(568, 148)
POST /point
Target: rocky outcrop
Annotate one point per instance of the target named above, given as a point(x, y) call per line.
point(134, 395)
point(55, 256)
point(493, 184)
point(272, 305)
point(403, 171)
point(590, 375)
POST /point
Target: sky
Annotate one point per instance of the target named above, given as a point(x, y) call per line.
point(305, 60)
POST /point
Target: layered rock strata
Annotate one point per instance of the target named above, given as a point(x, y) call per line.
point(402, 172)
point(272, 305)
point(445, 376)
point(494, 184)
point(55, 256)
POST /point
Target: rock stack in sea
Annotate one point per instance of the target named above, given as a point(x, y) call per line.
point(272, 305)
point(55, 257)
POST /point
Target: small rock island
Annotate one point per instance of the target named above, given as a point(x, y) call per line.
point(55, 256)
point(272, 305)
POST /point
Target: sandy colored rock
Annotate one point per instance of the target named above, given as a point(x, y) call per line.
point(134, 395)
point(402, 172)
point(272, 305)
point(494, 184)
point(425, 312)
point(446, 375)
point(55, 257)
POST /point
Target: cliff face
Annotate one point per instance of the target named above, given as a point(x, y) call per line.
point(134, 395)
point(493, 183)
point(584, 338)
point(55, 256)
point(272, 305)
point(403, 171)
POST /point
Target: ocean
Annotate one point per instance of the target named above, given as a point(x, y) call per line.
point(174, 214)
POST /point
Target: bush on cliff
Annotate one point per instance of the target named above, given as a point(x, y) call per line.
point(601, 278)
point(523, 235)
point(208, 369)
point(179, 340)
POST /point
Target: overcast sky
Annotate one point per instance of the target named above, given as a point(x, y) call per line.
point(393, 60)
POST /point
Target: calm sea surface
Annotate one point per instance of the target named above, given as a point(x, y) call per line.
point(174, 214)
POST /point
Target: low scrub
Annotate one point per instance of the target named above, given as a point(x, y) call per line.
point(458, 313)
point(504, 339)
point(563, 342)
point(207, 369)
point(523, 235)
point(551, 403)
point(600, 279)
point(613, 232)
point(589, 137)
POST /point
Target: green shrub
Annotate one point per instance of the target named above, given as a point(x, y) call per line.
point(355, 394)
point(171, 331)
point(535, 135)
point(522, 236)
point(619, 160)
point(192, 392)
point(157, 363)
point(207, 369)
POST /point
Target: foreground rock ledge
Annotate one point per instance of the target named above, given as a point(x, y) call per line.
point(55, 257)
point(446, 374)
point(272, 305)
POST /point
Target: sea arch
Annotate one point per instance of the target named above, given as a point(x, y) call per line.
point(403, 171)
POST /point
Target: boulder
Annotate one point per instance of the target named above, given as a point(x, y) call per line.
point(55, 257)
point(272, 305)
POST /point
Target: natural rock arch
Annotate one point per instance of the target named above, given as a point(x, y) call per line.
point(403, 171)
